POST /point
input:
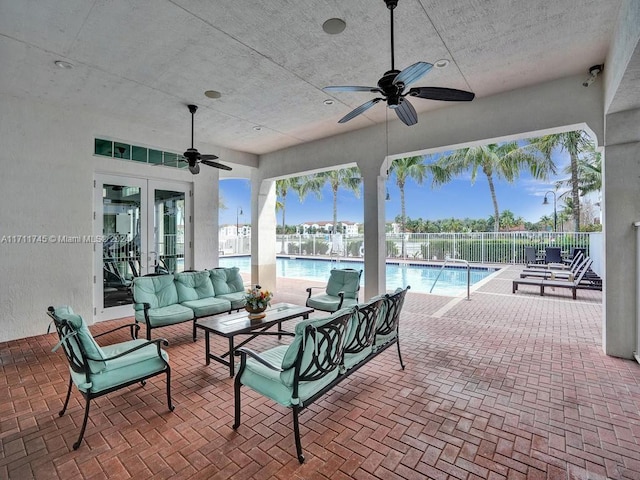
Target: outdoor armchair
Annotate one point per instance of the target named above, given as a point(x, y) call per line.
point(96, 370)
point(341, 291)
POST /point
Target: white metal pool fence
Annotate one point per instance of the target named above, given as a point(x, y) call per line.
point(484, 247)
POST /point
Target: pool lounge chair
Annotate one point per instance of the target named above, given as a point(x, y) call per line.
point(565, 273)
point(544, 283)
point(531, 257)
point(553, 255)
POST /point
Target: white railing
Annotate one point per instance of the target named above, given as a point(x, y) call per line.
point(484, 247)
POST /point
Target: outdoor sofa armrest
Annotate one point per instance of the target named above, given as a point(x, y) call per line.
point(133, 326)
point(243, 352)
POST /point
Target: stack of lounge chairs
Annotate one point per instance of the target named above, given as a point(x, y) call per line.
point(577, 275)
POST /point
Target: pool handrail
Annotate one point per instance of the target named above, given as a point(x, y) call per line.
point(455, 260)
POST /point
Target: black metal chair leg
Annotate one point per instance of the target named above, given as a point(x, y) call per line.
point(66, 401)
point(296, 432)
point(399, 355)
point(84, 423)
point(236, 391)
point(194, 330)
point(171, 405)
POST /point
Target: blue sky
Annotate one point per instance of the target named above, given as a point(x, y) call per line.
point(457, 199)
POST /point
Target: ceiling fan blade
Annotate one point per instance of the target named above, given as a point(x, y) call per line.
point(362, 108)
point(406, 112)
point(412, 73)
point(348, 88)
point(444, 94)
point(195, 169)
point(209, 157)
point(216, 164)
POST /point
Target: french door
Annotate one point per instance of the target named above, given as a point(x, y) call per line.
point(145, 227)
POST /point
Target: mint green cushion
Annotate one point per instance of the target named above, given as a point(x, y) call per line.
point(352, 359)
point(270, 384)
point(83, 336)
point(237, 299)
point(291, 354)
point(226, 280)
point(347, 281)
point(168, 315)
point(193, 286)
point(208, 306)
point(157, 291)
point(329, 303)
point(124, 369)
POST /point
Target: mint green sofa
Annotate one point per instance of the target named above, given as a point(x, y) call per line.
point(161, 300)
point(323, 352)
point(97, 370)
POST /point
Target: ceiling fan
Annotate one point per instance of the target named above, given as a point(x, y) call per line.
point(195, 158)
point(392, 86)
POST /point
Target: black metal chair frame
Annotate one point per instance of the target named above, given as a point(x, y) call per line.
point(365, 332)
point(80, 365)
point(390, 323)
point(340, 294)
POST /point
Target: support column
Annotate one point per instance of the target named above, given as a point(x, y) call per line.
point(263, 233)
point(621, 209)
point(375, 275)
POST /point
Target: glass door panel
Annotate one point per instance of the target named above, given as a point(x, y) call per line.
point(121, 210)
point(168, 231)
point(145, 226)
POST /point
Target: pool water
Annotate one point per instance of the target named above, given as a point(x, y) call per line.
point(452, 281)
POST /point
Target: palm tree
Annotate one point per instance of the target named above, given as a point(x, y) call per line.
point(404, 168)
point(348, 178)
point(574, 143)
point(503, 160)
point(589, 172)
point(282, 188)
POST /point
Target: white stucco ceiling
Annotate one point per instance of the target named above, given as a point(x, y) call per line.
point(146, 59)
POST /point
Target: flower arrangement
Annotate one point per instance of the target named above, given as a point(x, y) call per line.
point(258, 299)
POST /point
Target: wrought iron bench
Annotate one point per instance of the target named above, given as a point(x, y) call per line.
point(323, 353)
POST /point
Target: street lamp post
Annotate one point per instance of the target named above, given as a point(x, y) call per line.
point(238, 213)
point(555, 213)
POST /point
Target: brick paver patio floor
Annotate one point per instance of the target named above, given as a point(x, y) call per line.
point(501, 386)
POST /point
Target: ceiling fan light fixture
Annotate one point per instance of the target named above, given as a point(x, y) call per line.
point(393, 86)
point(442, 63)
point(212, 94)
point(334, 26)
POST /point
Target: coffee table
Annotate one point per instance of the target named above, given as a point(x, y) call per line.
point(240, 324)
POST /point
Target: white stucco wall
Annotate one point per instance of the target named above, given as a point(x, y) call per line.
point(46, 188)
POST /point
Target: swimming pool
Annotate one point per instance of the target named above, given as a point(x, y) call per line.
point(452, 281)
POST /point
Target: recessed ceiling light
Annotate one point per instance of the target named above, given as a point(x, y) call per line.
point(63, 64)
point(441, 63)
point(257, 128)
point(333, 26)
point(212, 94)
point(328, 101)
